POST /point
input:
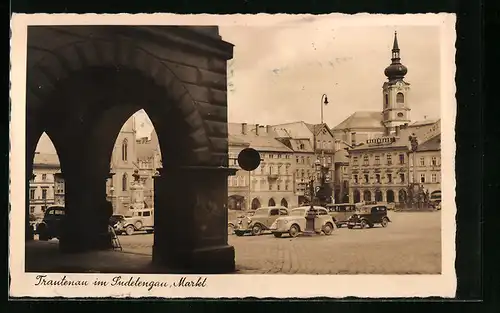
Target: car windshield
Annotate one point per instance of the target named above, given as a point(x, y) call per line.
point(261, 212)
point(298, 212)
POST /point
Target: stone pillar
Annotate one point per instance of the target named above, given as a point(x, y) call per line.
point(86, 224)
point(191, 220)
point(351, 196)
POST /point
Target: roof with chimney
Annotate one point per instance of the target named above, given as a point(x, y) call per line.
point(46, 160)
point(259, 137)
point(361, 120)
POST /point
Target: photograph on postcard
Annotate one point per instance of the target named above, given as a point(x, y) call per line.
point(303, 146)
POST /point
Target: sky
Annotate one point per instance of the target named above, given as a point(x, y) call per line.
point(279, 73)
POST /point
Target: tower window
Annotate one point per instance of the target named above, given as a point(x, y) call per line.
point(386, 97)
point(125, 150)
point(400, 114)
point(400, 98)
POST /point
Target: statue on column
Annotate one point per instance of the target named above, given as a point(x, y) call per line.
point(137, 192)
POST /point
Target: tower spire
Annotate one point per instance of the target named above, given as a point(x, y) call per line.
point(395, 45)
point(396, 70)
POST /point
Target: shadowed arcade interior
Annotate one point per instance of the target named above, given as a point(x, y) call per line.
point(83, 83)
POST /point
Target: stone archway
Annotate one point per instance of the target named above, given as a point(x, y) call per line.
point(84, 82)
point(255, 204)
point(357, 196)
point(390, 196)
point(271, 202)
point(284, 203)
point(367, 195)
point(378, 196)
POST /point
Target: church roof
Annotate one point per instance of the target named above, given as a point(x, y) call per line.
point(360, 120)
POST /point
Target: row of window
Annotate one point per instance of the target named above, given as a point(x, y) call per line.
point(365, 178)
point(402, 160)
point(240, 181)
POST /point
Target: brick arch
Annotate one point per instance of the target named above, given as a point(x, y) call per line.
point(58, 64)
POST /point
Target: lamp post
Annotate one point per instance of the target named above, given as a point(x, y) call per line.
point(415, 186)
point(311, 213)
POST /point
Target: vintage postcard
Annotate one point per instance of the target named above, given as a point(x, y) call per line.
point(232, 156)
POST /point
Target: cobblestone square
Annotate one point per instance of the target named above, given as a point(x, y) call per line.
point(411, 244)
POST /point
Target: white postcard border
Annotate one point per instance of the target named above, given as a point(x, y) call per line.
point(221, 286)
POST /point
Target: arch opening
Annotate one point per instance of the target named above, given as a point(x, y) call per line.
point(46, 185)
point(367, 195)
point(390, 196)
point(271, 202)
point(255, 204)
point(356, 196)
point(378, 196)
point(236, 202)
point(284, 203)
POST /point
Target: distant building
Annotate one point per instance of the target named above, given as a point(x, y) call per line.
point(271, 183)
point(378, 165)
point(46, 185)
point(382, 169)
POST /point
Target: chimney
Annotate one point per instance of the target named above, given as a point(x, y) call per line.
point(244, 128)
point(353, 138)
point(257, 126)
point(397, 131)
point(268, 129)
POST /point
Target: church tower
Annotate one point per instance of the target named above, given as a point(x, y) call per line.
point(396, 109)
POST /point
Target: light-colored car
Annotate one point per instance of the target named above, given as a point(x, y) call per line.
point(139, 220)
point(231, 223)
point(261, 220)
point(295, 223)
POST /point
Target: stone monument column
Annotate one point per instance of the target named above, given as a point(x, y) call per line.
point(137, 192)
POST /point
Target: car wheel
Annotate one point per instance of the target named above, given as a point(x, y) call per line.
point(328, 229)
point(256, 230)
point(385, 222)
point(230, 229)
point(129, 230)
point(364, 224)
point(239, 233)
point(294, 231)
point(350, 226)
point(138, 225)
point(277, 235)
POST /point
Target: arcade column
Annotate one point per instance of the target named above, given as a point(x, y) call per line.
point(191, 220)
point(87, 213)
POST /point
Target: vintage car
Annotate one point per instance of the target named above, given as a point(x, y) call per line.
point(340, 213)
point(231, 224)
point(295, 223)
point(139, 220)
point(50, 227)
point(261, 220)
point(368, 216)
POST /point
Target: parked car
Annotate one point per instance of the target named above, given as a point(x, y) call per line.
point(261, 220)
point(231, 224)
point(368, 216)
point(115, 221)
point(295, 223)
point(140, 220)
point(50, 227)
point(340, 212)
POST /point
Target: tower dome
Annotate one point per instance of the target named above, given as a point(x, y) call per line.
point(396, 70)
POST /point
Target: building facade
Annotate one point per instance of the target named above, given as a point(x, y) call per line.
point(272, 183)
point(46, 185)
